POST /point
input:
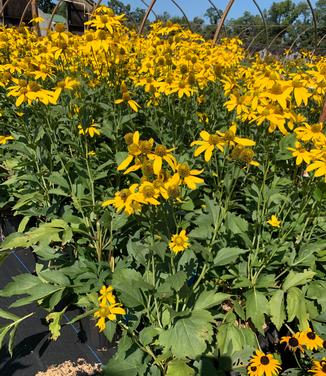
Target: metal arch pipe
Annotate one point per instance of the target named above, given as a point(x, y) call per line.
point(24, 12)
point(264, 21)
point(298, 37)
point(253, 40)
point(183, 13)
point(146, 5)
point(52, 15)
point(318, 44)
point(314, 20)
point(277, 35)
point(221, 21)
point(4, 6)
point(141, 29)
point(244, 30)
point(219, 14)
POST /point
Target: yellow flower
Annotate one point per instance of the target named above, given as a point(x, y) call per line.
point(263, 364)
point(280, 92)
point(230, 138)
point(238, 102)
point(108, 312)
point(273, 221)
point(301, 94)
point(310, 132)
point(319, 165)
point(209, 143)
point(133, 150)
point(293, 342)
point(127, 199)
point(185, 175)
point(162, 153)
point(92, 130)
point(136, 148)
point(319, 367)
point(106, 295)
point(179, 242)
point(310, 339)
point(148, 193)
point(300, 153)
point(5, 139)
point(244, 155)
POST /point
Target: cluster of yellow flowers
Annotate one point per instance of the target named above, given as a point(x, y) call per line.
point(241, 146)
point(108, 307)
point(280, 94)
point(265, 364)
point(162, 175)
point(306, 338)
point(168, 60)
point(311, 148)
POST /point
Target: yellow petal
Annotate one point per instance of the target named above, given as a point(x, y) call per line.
point(125, 163)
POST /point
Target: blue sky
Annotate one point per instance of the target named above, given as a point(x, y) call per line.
point(198, 7)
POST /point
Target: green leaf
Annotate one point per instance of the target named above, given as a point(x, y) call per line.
point(8, 315)
point(297, 279)
point(132, 365)
point(227, 256)
point(36, 293)
point(189, 336)
point(173, 283)
point(236, 224)
point(209, 299)
point(54, 276)
point(256, 306)
point(296, 307)
point(179, 367)
point(110, 329)
point(232, 339)
point(277, 310)
point(20, 284)
point(57, 179)
point(128, 283)
point(23, 224)
point(53, 319)
point(147, 334)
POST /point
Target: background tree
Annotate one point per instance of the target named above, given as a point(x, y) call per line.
point(46, 6)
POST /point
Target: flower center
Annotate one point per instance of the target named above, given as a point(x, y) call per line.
point(276, 89)
point(148, 191)
point(214, 139)
point(293, 342)
point(147, 168)
point(59, 28)
point(246, 155)
point(323, 365)
point(296, 83)
point(229, 136)
point(178, 240)
point(145, 146)
point(316, 128)
point(183, 170)
point(160, 150)
point(264, 360)
point(124, 194)
point(182, 85)
point(253, 368)
point(104, 19)
point(174, 191)
point(311, 335)
point(133, 149)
